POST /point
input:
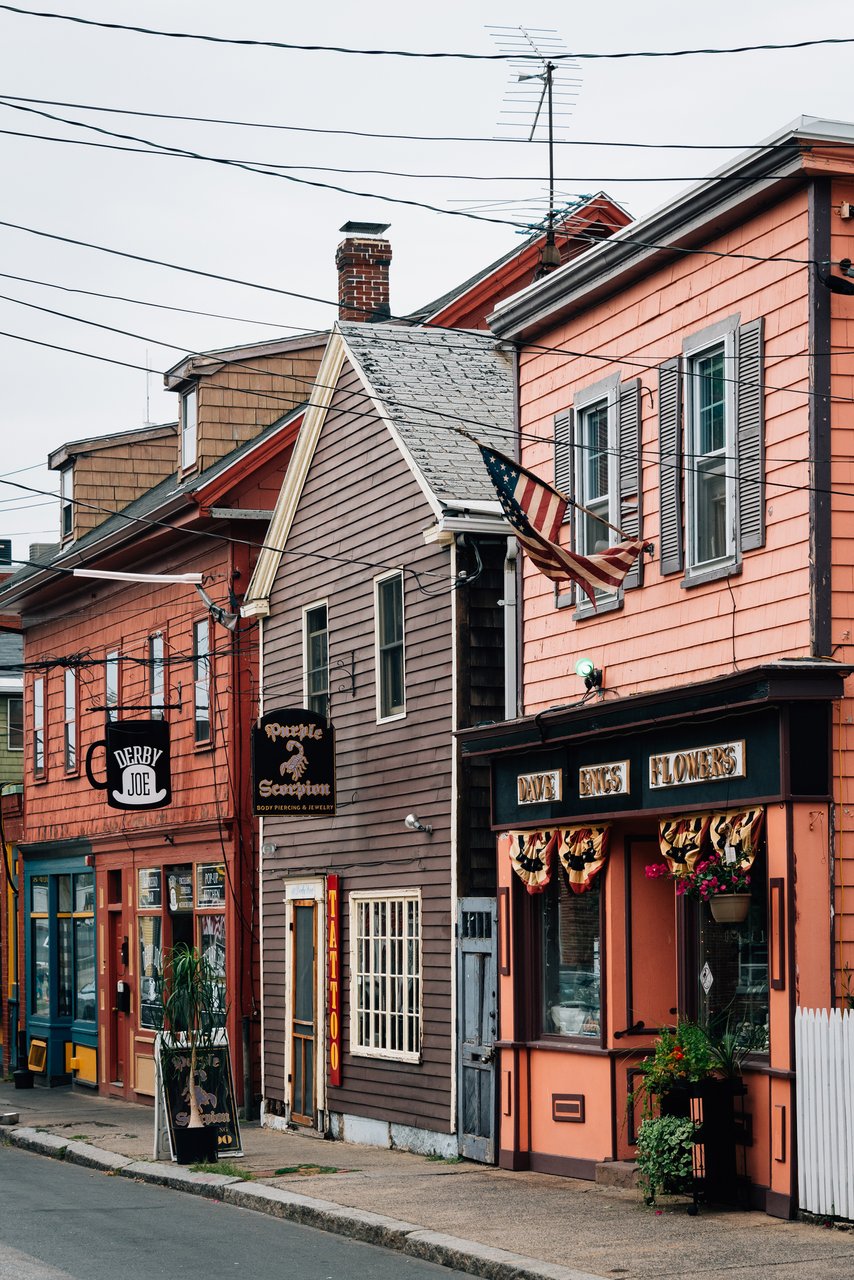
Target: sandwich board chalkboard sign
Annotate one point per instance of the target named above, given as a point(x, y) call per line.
point(214, 1094)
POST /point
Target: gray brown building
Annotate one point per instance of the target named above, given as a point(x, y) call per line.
point(385, 594)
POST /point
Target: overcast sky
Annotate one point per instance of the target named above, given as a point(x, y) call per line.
point(271, 231)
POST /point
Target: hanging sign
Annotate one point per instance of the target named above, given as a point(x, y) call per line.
point(293, 764)
point(333, 971)
point(138, 765)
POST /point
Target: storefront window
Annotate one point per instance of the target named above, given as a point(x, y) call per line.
point(212, 948)
point(84, 948)
point(40, 1002)
point(64, 981)
point(733, 969)
point(571, 969)
point(150, 969)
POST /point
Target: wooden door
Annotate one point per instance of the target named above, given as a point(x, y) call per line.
point(118, 1005)
point(303, 1012)
point(477, 990)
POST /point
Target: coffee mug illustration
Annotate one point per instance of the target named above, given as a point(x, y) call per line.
point(138, 764)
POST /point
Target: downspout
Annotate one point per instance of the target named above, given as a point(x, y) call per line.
point(511, 631)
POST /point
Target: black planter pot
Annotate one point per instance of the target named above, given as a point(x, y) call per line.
point(718, 1108)
point(23, 1079)
point(196, 1146)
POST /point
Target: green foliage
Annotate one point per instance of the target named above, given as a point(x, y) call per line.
point(227, 1168)
point(679, 1057)
point(189, 1013)
point(665, 1155)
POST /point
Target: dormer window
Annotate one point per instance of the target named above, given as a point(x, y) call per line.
point(189, 423)
point(66, 502)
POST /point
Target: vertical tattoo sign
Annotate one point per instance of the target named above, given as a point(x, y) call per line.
point(333, 959)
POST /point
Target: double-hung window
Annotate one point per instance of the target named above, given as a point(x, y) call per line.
point(189, 427)
point(39, 759)
point(202, 681)
point(597, 465)
point(391, 694)
point(15, 724)
point(315, 641)
point(711, 451)
point(66, 502)
point(111, 682)
point(385, 991)
point(69, 736)
point(157, 676)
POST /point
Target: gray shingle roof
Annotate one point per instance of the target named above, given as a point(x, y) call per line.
point(430, 381)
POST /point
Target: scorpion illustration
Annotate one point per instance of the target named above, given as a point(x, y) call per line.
point(295, 765)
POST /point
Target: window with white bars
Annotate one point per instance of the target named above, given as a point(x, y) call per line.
point(385, 994)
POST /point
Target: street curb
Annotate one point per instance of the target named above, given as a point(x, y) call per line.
point(324, 1215)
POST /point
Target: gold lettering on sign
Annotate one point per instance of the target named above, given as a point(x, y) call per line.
point(596, 780)
point(539, 788)
point(700, 764)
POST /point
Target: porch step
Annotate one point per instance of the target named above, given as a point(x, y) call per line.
point(617, 1173)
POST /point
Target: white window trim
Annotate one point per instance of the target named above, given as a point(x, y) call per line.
point(9, 701)
point(158, 709)
point(208, 667)
point(694, 347)
point(40, 726)
point(362, 1051)
point(186, 461)
point(307, 609)
point(113, 661)
point(307, 889)
point(71, 722)
point(605, 390)
point(385, 577)
point(66, 501)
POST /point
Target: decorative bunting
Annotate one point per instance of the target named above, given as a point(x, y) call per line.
point(531, 854)
point(735, 836)
point(681, 840)
point(583, 851)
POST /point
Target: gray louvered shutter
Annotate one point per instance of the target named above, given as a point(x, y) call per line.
point(750, 434)
point(670, 554)
point(629, 426)
point(564, 429)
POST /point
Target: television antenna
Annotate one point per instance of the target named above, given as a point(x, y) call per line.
point(539, 100)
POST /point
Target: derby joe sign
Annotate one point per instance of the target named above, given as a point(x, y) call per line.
point(293, 764)
point(138, 768)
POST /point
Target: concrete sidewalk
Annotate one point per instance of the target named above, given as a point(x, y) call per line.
point(506, 1226)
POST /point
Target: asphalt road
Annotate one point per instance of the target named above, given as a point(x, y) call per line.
point(63, 1222)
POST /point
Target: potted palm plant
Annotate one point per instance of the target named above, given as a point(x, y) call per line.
point(190, 1017)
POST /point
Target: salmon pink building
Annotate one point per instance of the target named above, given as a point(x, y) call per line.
point(689, 382)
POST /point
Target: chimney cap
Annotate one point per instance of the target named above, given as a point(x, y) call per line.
point(364, 228)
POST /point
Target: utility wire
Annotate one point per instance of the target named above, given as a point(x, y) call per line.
point(281, 170)
point(416, 53)
point(388, 137)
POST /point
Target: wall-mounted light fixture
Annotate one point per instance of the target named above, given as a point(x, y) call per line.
point(412, 824)
point(268, 847)
point(589, 673)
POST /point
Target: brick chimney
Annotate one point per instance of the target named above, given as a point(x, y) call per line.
point(363, 260)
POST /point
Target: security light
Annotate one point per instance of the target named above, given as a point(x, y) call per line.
point(413, 824)
point(589, 673)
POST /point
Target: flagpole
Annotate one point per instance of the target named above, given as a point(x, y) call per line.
point(578, 505)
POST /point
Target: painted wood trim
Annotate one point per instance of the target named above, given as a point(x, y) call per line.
point(257, 602)
point(819, 421)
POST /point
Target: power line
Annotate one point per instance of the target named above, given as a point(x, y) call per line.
point(164, 149)
point(282, 170)
point(415, 53)
point(390, 137)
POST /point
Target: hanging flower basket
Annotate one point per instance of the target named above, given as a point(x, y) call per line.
point(730, 908)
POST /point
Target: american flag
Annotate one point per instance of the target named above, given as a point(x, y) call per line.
point(536, 512)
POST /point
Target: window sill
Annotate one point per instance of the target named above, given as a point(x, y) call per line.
point(399, 715)
point(386, 1055)
point(207, 745)
point(607, 604)
point(713, 573)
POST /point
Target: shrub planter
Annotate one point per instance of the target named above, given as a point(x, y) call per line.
point(718, 1108)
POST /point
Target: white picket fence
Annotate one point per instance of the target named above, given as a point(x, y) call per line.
point(824, 1060)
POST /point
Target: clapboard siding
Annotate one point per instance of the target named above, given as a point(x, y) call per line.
point(362, 503)
point(762, 613)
